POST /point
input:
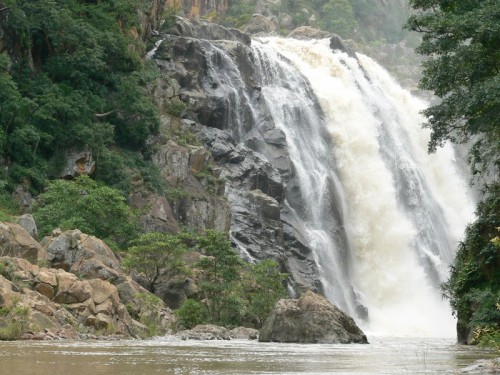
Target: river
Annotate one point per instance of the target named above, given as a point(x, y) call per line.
point(170, 356)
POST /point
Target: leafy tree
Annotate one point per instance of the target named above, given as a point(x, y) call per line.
point(191, 314)
point(154, 254)
point(85, 204)
point(461, 38)
point(474, 284)
point(338, 17)
point(262, 286)
point(221, 273)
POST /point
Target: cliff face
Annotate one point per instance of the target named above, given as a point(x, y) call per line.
point(213, 71)
point(194, 9)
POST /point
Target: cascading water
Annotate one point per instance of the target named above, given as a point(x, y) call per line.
point(381, 216)
point(403, 209)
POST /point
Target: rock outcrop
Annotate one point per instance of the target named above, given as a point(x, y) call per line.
point(213, 332)
point(212, 71)
point(15, 241)
point(310, 319)
point(56, 298)
point(81, 293)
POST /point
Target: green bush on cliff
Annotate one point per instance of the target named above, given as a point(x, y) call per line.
point(86, 205)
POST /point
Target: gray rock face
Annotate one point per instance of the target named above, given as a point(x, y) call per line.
point(310, 319)
point(217, 81)
point(28, 222)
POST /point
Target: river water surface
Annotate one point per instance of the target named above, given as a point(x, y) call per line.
point(167, 356)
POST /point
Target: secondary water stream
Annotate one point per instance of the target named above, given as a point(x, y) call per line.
point(162, 356)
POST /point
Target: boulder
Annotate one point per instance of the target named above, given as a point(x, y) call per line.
point(66, 249)
point(28, 222)
point(483, 366)
point(310, 319)
point(205, 332)
point(244, 333)
point(78, 163)
point(15, 241)
point(261, 24)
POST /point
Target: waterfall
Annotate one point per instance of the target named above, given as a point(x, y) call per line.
point(400, 211)
point(381, 216)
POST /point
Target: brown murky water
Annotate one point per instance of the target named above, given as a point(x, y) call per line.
point(164, 356)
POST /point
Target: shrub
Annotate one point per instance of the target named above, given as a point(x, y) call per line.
point(86, 205)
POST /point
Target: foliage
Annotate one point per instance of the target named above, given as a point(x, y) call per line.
point(338, 16)
point(87, 205)
point(461, 39)
point(262, 286)
point(230, 291)
point(191, 314)
point(13, 321)
point(474, 284)
point(74, 78)
point(221, 268)
point(488, 337)
point(154, 254)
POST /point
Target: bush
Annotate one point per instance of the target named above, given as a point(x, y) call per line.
point(86, 205)
point(191, 314)
point(13, 321)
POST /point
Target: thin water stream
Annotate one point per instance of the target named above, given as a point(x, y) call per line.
point(167, 356)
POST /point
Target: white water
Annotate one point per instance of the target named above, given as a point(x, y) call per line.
point(402, 210)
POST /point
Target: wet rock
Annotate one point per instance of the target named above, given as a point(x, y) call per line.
point(207, 30)
point(483, 366)
point(261, 24)
point(205, 332)
point(310, 319)
point(244, 333)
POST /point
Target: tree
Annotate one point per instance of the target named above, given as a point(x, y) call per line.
point(86, 205)
point(221, 268)
point(461, 39)
point(154, 254)
point(262, 286)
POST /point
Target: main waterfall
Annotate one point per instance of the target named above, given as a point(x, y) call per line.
point(326, 169)
point(381, 215)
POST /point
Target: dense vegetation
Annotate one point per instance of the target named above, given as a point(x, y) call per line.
point(461, 39)
point(73, 78)
point(362, 20)
point(231, 292)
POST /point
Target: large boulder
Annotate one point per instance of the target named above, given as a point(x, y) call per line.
point(67, 249)
point(15, 241)
point(310, 319)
